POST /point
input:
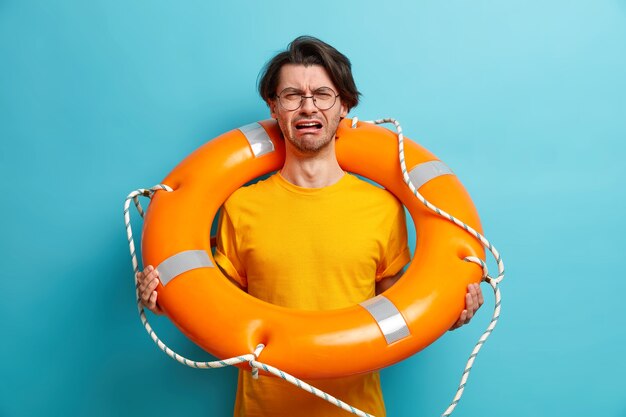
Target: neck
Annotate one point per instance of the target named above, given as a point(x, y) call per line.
point(312, 171)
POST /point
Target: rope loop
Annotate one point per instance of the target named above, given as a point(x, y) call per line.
point(480, 263)
point(143, 192)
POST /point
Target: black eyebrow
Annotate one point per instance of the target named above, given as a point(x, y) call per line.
point(297, 90)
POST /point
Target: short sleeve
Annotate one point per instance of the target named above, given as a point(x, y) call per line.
point(227, 253)
point(395, 251)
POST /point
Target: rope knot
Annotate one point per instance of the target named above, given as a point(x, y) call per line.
point(150, 191)
point(253, 364)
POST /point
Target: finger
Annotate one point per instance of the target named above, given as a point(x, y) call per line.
point(141, 285)
point(150, 287)
point(469, 305)
point(141, 280)
point(149, 275)
point(153, 280)
point(481, 299)
point(152, 300)
point(462, 318)
point(474, 293)
point(148, 290)
point(141, 275)
point(469, 301)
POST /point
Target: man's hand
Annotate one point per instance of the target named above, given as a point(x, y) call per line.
point(147, 282)
point(473, 301)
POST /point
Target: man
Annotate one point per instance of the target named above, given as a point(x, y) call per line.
point(311, 236)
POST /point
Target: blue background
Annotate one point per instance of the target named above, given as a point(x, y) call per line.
point(525, 100)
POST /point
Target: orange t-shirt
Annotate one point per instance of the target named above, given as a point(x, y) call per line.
point(311, 249)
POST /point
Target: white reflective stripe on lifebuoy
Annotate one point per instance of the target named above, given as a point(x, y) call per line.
point(181, 263)
point(388, 317)
point(258, 138)
point(424, 172)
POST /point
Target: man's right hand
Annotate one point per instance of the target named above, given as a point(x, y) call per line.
point(147, 282)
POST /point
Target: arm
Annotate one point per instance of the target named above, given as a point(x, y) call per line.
point(387, 282)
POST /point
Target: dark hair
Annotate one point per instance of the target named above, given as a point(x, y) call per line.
point(307, 50)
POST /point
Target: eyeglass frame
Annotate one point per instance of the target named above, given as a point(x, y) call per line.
point(303, 97)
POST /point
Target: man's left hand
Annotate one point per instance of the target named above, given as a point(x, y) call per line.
point(473, 301)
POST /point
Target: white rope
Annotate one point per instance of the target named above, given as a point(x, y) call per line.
point(256, 365)
point(493, 282)
point(251, 358)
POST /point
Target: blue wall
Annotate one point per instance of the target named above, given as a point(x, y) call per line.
point(525, 100)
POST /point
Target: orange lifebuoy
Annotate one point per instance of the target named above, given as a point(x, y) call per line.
point(227, 322)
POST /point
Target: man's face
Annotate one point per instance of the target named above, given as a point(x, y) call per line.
point(307, 129)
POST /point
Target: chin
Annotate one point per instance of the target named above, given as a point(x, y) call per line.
point(310, 147)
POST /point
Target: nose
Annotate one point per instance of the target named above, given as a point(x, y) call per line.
point(308, 105)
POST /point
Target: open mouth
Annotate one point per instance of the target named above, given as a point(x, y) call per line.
point(308, 125)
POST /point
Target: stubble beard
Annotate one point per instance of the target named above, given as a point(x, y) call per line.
point(309, 147)
point(312, 147)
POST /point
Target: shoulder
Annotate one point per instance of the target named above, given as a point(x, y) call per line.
point(250, 194)
point(371, 192)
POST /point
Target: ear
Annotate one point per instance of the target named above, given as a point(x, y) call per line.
point(343, 110)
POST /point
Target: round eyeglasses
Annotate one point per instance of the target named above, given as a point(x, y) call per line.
point(291, 99)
